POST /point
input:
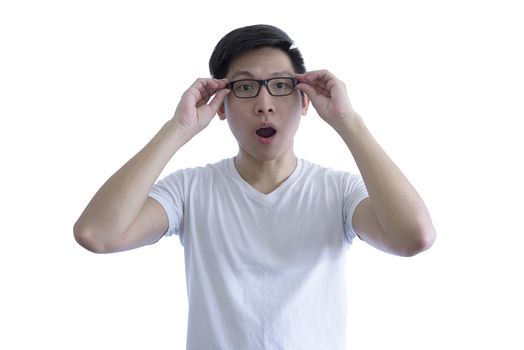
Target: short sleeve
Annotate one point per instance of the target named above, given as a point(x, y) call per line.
point(354, 192)
point(169, 193)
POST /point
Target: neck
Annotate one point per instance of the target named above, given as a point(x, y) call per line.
point(265, 175)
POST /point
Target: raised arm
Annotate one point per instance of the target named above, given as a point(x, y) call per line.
point(394, 218)
point(121, 216)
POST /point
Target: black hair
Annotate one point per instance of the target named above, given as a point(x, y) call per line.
point(249, 38)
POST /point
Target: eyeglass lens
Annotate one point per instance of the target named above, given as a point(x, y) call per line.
point(276, 86)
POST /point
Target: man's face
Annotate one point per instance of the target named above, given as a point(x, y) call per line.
point(264, 126)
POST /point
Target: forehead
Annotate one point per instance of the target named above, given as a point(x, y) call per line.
point(261, 64)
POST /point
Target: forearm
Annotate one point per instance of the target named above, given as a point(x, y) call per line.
point(394, 218)
point(120, 199)
point(398, 207)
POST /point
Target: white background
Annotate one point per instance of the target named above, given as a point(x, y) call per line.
point(85, 84)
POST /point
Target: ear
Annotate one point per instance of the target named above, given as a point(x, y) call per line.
point(221, 112)
point(305, 102)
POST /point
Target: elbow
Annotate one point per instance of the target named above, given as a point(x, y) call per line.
point(420, 240)
point(88, 239)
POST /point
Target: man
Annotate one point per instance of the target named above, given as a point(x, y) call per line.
point(265, 234)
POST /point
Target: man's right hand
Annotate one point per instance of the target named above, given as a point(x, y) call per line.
point(195, 110)
point(121, 216)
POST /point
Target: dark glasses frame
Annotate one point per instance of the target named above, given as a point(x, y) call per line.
point(261, 83)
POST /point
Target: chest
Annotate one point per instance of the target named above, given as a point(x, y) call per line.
point(295, 229)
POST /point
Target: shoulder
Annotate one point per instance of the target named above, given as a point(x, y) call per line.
point(346, 184)
point(315, 172)
point(198, 173)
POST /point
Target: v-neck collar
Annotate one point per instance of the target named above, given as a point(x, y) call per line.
point(266, 199)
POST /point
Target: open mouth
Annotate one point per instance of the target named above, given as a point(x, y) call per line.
point(266, 132)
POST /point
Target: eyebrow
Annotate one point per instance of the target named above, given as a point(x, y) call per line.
point(248, 74)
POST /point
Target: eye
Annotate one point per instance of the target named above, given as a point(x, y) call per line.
point(281, 86)
point(245, 85)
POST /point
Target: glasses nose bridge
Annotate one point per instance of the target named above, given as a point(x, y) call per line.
point(264, 101)
point(264, 83)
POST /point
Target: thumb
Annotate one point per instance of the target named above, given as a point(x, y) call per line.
point(217, 101)
point(307, 89)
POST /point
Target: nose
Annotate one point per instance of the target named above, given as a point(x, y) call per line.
point(264, 102)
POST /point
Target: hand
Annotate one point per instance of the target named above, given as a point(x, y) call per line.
point(327, 94)
point(194, 112)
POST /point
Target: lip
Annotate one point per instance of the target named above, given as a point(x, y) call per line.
point(265, 140)
point(265, 125)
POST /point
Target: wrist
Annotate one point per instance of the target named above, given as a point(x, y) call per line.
point(350, 122)
point(353, 132)
point(176, 134)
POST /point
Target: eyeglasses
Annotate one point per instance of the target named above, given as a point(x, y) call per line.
point(249, 88)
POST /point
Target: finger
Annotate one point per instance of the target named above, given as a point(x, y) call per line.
point(308, 89)
point(318, 85)
point(312, 89)
point(204, 88)
point(320, 78)
point(217, 101)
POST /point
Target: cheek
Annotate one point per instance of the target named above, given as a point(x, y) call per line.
point(232, 108)
point(294, 112)
point(237, 126)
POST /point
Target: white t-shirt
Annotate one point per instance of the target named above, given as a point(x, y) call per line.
point(263, 271)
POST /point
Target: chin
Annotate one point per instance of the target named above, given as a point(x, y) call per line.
point(269, 154)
